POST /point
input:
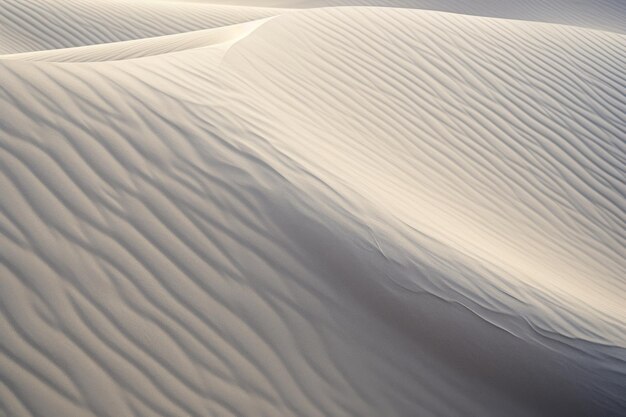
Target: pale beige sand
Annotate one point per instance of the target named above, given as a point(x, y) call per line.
point(352, 211)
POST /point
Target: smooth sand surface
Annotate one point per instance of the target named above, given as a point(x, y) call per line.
point(232, 210)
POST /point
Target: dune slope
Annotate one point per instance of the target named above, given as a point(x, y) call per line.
point(602, 14)
point(55, 24)
point(334, 212)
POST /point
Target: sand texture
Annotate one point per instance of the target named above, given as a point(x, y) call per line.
point(283, 208)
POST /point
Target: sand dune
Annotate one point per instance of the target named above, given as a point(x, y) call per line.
point(602, 14)
point(113, 51)
point(344, 211)
point(54, 24)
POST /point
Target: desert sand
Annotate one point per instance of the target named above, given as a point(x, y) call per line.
point(312, 208)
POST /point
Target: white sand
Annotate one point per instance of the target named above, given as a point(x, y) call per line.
point(353, 211)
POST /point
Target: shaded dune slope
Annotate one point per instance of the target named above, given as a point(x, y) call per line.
point(349, 211)
point(220, 37)
point(601, 14)
point(53, 24)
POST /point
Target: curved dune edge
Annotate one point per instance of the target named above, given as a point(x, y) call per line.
point(149, 46)
point(605, 15)
point(346, 212)
point(60, 24)
point(139, 48)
